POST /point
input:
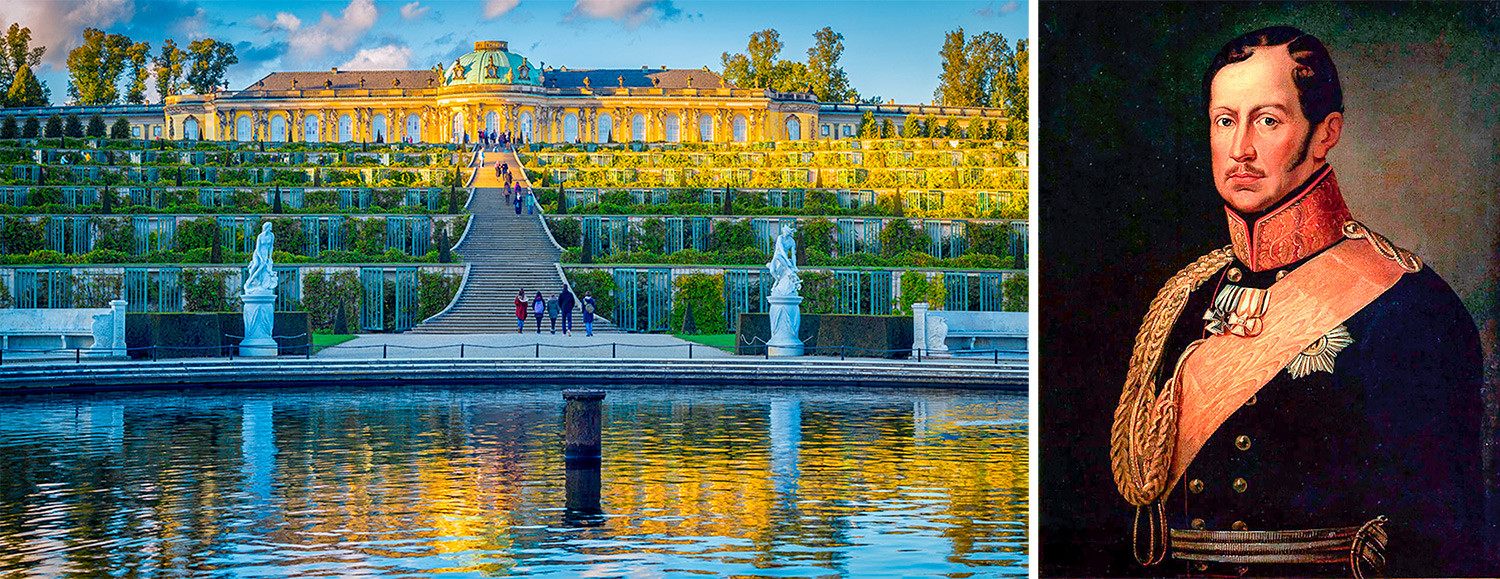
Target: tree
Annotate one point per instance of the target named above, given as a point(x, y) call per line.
point(74, 126)
point(120, 130)
point(976, 72)
point(910, 128)
point(887, 129)
point(8, 128)
point(18, 53)
point(827, 78)
point(96, 126)
point(1017, 97)
point(930, 127)
point(169, 72)
point(211, 60)
point(950, 129)
point(867, 127)
point(54, 126)
point(26, 90)
point(31, 129)
point(139, 55)
point(94, 67)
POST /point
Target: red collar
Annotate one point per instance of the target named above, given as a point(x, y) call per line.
point(1310, 222)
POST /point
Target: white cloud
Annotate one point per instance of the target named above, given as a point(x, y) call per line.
point(58, 25)
point(632, 13)
point(496, 8)
point(388, 57)
point(413, 11)
point(331, 33)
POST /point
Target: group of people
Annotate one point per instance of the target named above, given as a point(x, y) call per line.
point(560, 305)
point(489, 138)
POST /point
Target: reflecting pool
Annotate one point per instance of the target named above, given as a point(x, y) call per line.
point(469, 482)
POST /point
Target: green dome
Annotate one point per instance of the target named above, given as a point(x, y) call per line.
point(491, 63)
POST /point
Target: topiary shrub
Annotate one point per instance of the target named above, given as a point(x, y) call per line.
point(898, 236)
point(1016, 294)
point(704, 293)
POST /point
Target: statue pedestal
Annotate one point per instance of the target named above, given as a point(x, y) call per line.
point(786, 320)
point(260, 313)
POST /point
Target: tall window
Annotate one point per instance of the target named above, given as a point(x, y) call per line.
point(740, 128)
point(673, 125)
point(346, 128)
point(310, 129)
point(793, 129)
point(492, 121)
point(606, 128)
point(705, 128)
point(414, 128)
point(525, 122)
point(278, 128)
point(638, 128)
point(377, 130)
point(190, 129)
point(242, 129)
point(457, 134)
point(570, 128)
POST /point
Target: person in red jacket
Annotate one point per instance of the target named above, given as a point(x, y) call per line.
point(521, 304)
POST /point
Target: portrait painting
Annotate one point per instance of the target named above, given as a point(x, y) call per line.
point(1269, 244)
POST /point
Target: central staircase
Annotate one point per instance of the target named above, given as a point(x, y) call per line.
point(507, 253)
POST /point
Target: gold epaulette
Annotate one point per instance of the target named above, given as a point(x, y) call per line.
point(1408, 260)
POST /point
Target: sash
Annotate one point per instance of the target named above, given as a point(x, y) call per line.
point(1225, 370)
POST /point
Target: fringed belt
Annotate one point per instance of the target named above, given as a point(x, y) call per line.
point(1362, 547)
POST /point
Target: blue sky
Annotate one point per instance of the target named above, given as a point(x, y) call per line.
point(890, 48)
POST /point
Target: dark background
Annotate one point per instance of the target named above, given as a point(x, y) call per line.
point(1126, 198)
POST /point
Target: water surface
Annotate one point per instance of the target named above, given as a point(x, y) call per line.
point(468, 482)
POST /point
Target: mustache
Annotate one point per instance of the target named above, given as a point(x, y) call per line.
point(1248, 169)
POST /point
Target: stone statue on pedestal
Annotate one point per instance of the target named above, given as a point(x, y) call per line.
point(786, 313)
point(260, 298)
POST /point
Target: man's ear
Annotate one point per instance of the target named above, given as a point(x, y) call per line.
point(1326, 135)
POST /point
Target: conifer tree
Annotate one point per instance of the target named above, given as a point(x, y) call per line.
point(32, 129)
point(73, 127)
point(120, 130)
point(8, 128)
point(54, 126)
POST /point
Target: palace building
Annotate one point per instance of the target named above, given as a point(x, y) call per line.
point(494, 89)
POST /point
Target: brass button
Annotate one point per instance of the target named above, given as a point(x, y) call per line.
point(1242, 442)
point(1239, 526)
point(1251, 401)
point(1199, 524)
point(1201, 567)
point(1195, 486)
point(1234, 274)
point(1240, 485)
point(1243, 570)
point(1280, 274)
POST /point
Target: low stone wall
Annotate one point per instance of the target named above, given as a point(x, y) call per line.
point(207, 335)
point(63, 328)
point(825, 334)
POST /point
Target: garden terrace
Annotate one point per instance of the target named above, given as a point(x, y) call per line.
point(655, 298)
point(391, 297)
point(826, 202)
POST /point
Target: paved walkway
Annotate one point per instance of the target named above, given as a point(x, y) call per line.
point(513, 345)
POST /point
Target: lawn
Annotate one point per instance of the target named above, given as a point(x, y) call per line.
point(723, 342)
point(321, 341)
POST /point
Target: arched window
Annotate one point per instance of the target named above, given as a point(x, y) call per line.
point(346, 128)
point(570, 128)
point(741, 131)
point(378, 133)
point(706, 128)
point(525, 123)
point(190, 129)
point(278, 128)
point(457, 134)
point(638, 128)
point(414, 128)
point(793, 129)
point(606, 128)
point(310, 129)
point(672, 125)
point(492, 122)
point(242, 130)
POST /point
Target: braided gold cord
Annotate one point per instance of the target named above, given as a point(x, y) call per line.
point(1408, 260)
point(1145, 423)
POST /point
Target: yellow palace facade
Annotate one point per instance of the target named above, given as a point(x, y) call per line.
point(493, 89)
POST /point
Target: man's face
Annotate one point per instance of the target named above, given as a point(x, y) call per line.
point(1258, 134)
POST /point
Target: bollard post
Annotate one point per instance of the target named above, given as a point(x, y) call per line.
point(582, 422)
point(460, 349)
point(538, 349)
point(841, 352)
point(997, 355)
point(690, 350)
point(383, 350)
point(611, 350)
point(77, 355)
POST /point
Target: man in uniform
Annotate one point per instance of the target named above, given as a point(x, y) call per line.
point(1305, 401)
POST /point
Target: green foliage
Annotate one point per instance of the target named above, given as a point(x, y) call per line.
point(1016, 296)
point(988, 238)
point(434, 292)
point(820, 291)
point(366, 235)
point(913, 289)
point(817, 235)
point(115, 234)
point(937, 292)
point(899, 236)
point(598, 283)
point(20, 236)
point(323, 294)
point(731, 235)
point(73, 127)
point(26, 90)
point(94, 67)
point(204, 291)
point(54, 126)
point(96, 126)
point(8, 128)
point(120, 130)
point(566, 230)
point(32, 129)
point(705, 294)
point(289, 235)
point(210, 60)
point(202, 232)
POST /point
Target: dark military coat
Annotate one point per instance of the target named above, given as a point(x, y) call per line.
point(1394, 430)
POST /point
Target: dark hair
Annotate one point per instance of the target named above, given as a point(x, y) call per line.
point(1317, 80)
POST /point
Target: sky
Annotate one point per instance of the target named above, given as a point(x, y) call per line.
point(890, 47)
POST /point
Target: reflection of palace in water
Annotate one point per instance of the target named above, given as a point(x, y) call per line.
point(793, 480)
point(494, 89)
